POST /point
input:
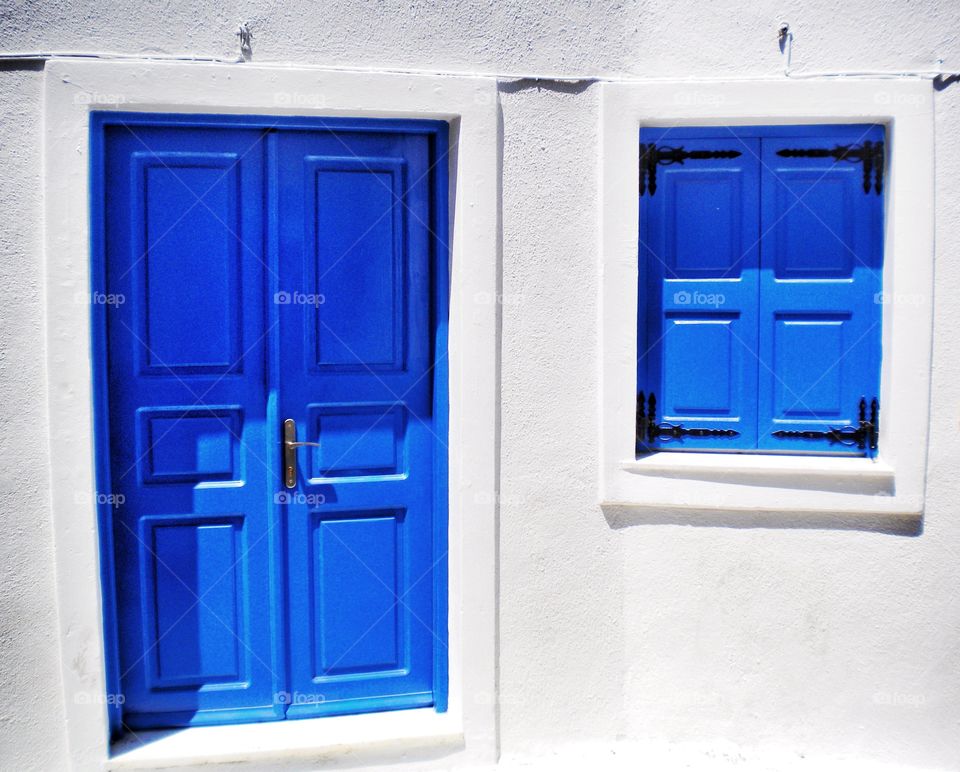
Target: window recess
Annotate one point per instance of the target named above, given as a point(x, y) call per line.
point(760, 289)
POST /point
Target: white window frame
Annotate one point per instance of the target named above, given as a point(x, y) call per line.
point(891, 484)
point(466, 733)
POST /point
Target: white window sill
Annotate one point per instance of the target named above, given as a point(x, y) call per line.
point(865, 475)
point(399, 731)
point(836, 485)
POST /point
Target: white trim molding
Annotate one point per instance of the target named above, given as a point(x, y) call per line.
point(892, 484)
point(466, 733)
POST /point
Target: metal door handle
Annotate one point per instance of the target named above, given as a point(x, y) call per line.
point(290, 446)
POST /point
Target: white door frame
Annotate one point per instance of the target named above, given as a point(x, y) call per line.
point(466, 733)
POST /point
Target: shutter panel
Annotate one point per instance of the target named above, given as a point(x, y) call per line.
point(697, 323)
point(820, 278)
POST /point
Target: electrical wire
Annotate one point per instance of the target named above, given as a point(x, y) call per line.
point(504, 77)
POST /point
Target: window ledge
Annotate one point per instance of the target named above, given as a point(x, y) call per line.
point(741, 482)
point(396, 731)
point(864, 475)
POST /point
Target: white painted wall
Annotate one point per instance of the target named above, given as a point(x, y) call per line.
point(735, 642)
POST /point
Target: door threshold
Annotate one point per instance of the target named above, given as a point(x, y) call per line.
point(327, 737)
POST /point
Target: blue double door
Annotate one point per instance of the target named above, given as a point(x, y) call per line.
point(274, 283)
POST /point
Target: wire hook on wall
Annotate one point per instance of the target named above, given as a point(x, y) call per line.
point(246, 41)
point(785, 41)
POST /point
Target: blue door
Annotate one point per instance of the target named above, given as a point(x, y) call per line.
point(271, 283)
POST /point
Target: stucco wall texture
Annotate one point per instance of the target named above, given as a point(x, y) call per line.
point(741, 643)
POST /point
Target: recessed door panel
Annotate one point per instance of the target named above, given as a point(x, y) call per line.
point(355, 223)
point(187, 250)
point(358, 571)
point(194, 576)
point(184, 444)
point(357, 440)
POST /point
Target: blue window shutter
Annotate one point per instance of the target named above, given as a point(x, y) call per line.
point(820, 279)
point(697, 322)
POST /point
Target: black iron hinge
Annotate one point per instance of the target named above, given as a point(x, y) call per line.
point(652, 156)
point(870, 154)
point(864, 435)
point(649, 429)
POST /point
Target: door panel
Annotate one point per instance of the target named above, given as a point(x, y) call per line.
point(187, 214)
point(354, 257)
point(358, 624)
point(196, 546)
point(357, 380)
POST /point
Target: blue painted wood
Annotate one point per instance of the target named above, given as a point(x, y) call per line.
point(820, 292)
point(183, 236)
point(699, 247)
point(266, 269)
point(101, 425)
point(354, 233)
point(849, 133)
point(759, 288)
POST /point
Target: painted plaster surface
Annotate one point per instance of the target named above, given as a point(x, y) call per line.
point(728, 645)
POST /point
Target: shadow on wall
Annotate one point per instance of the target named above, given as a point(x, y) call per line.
point(619, 517)
point(561, 86)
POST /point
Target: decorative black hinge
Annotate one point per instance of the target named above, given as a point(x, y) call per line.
point(870, 154)
point(652, 156)
point(649, 430)
point(863, 436)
